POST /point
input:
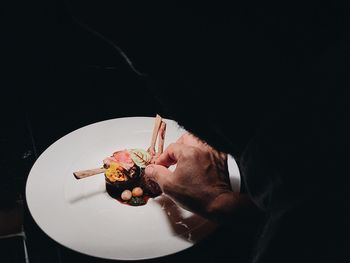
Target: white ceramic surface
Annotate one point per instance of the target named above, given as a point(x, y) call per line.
point(80, 215)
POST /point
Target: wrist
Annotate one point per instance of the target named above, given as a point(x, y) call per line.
point(233, 206)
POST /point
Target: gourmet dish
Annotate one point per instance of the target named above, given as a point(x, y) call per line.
point(124, 170)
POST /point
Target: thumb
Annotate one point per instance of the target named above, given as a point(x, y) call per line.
point(157, 173)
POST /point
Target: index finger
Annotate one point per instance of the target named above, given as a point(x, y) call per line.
point(170, 155)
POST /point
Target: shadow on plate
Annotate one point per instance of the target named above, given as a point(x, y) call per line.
point(189, 226)
point(85, 196)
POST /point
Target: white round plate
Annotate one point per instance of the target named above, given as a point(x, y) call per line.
point(80, 215)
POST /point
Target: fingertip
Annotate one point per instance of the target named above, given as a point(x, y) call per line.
point(149, 170)
point(167, 157)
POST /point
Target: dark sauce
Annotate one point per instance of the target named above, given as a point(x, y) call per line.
point(115, 190)
point(131, 202)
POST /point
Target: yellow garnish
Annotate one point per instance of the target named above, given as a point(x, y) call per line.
point(116, 172)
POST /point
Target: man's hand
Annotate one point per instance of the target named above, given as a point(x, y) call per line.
point(200, 181)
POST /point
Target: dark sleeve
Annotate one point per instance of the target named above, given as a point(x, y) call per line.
point(277, 166)
point(293, 169)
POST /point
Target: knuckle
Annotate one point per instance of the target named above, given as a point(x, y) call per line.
point(172, 145)
point(197, 154)
point(191, 152)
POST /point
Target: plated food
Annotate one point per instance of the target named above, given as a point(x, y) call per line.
point(124, 170)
